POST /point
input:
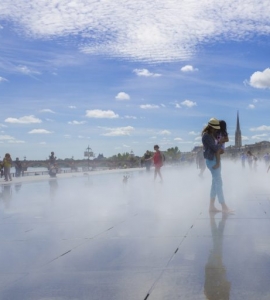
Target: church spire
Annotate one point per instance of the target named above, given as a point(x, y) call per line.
point(238, 136)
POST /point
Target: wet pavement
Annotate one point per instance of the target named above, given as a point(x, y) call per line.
point(94, 237)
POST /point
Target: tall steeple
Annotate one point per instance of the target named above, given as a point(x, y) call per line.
point(238, 136)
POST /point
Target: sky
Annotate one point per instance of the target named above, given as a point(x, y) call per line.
point(122, 76)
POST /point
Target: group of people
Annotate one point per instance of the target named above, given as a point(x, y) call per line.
point(6, 165)
point(214, 137)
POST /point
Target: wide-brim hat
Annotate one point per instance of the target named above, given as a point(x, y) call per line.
point(214, 123)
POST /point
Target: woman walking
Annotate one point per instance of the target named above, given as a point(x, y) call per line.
point(7, 162)
point(211, 147)
point(158, 162)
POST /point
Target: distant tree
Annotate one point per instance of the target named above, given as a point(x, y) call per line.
point(173, 153)
point(120, 157)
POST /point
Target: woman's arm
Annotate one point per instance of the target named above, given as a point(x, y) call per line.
point(209, 142)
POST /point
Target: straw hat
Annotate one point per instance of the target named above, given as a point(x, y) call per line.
point(214, 123)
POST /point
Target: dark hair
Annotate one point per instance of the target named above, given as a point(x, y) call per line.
point(223, 126)
point(156, 146)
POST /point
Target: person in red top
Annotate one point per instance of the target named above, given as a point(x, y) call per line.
point(158, 162)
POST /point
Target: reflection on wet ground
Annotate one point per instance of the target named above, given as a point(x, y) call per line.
point(97, 238)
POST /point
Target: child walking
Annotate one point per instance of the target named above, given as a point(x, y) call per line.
point(222, 138)
point(158, 162)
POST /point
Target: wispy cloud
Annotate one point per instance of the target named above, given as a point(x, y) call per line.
point(101, 114)
point(27, 71)
point(2, 79)
point(145, 73)
point(260, 80)
point(16, 142)
point(165, 132)
point(10, 139)
point(76, 122)
point(40, 131)
point(178, 139)
point(47, 110)
point(6, 137)
point(194, 133)
point(72, 107)
point(259, 136)
point(130, 117)
point(119, 131)
point(122, 96)
point(23, 120)
point(165, 31)
point(149, 106)
point(260, 128)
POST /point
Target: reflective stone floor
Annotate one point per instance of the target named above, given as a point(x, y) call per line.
point(98, 238)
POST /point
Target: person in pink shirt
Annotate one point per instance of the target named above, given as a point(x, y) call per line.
point(158, 162)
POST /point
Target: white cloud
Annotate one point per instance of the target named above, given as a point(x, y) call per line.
point(193, 133)
point(145, 73)
point(165, 132)
point(244, 138)
point(251, 106)
point(260, 80)
point(126, 146)
point(2, 79)
point(47, 110)
point(177, 105)
point(23, 120)
point(259, 136)
point(25, 70)
point(198, 138)
point(178, 139)
point(165, 31)
point(260, 128)
point(76, 122)
point(67, 136)
point(16, 142)
point(39, 131)
point(149, 106)
point(3, 126)
point(10, 139)
point(120, 131)
point(189, 103)
point(188, 68)
point(43, 143)
point(122, 96)
point(101, 114)
point(6, 137)
point(72, 107)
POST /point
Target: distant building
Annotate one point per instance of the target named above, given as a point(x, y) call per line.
point(238, 136)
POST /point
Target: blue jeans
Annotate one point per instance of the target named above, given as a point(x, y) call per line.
point(216, 188)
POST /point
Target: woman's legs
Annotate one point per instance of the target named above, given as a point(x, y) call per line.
point(216, 188)
point(157, 172)
point(7, 173)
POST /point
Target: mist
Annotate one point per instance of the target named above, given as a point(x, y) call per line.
point(68, 238)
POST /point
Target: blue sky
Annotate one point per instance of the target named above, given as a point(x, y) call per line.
point(125, 75)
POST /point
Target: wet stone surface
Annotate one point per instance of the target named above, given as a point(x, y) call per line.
point(98, 238)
